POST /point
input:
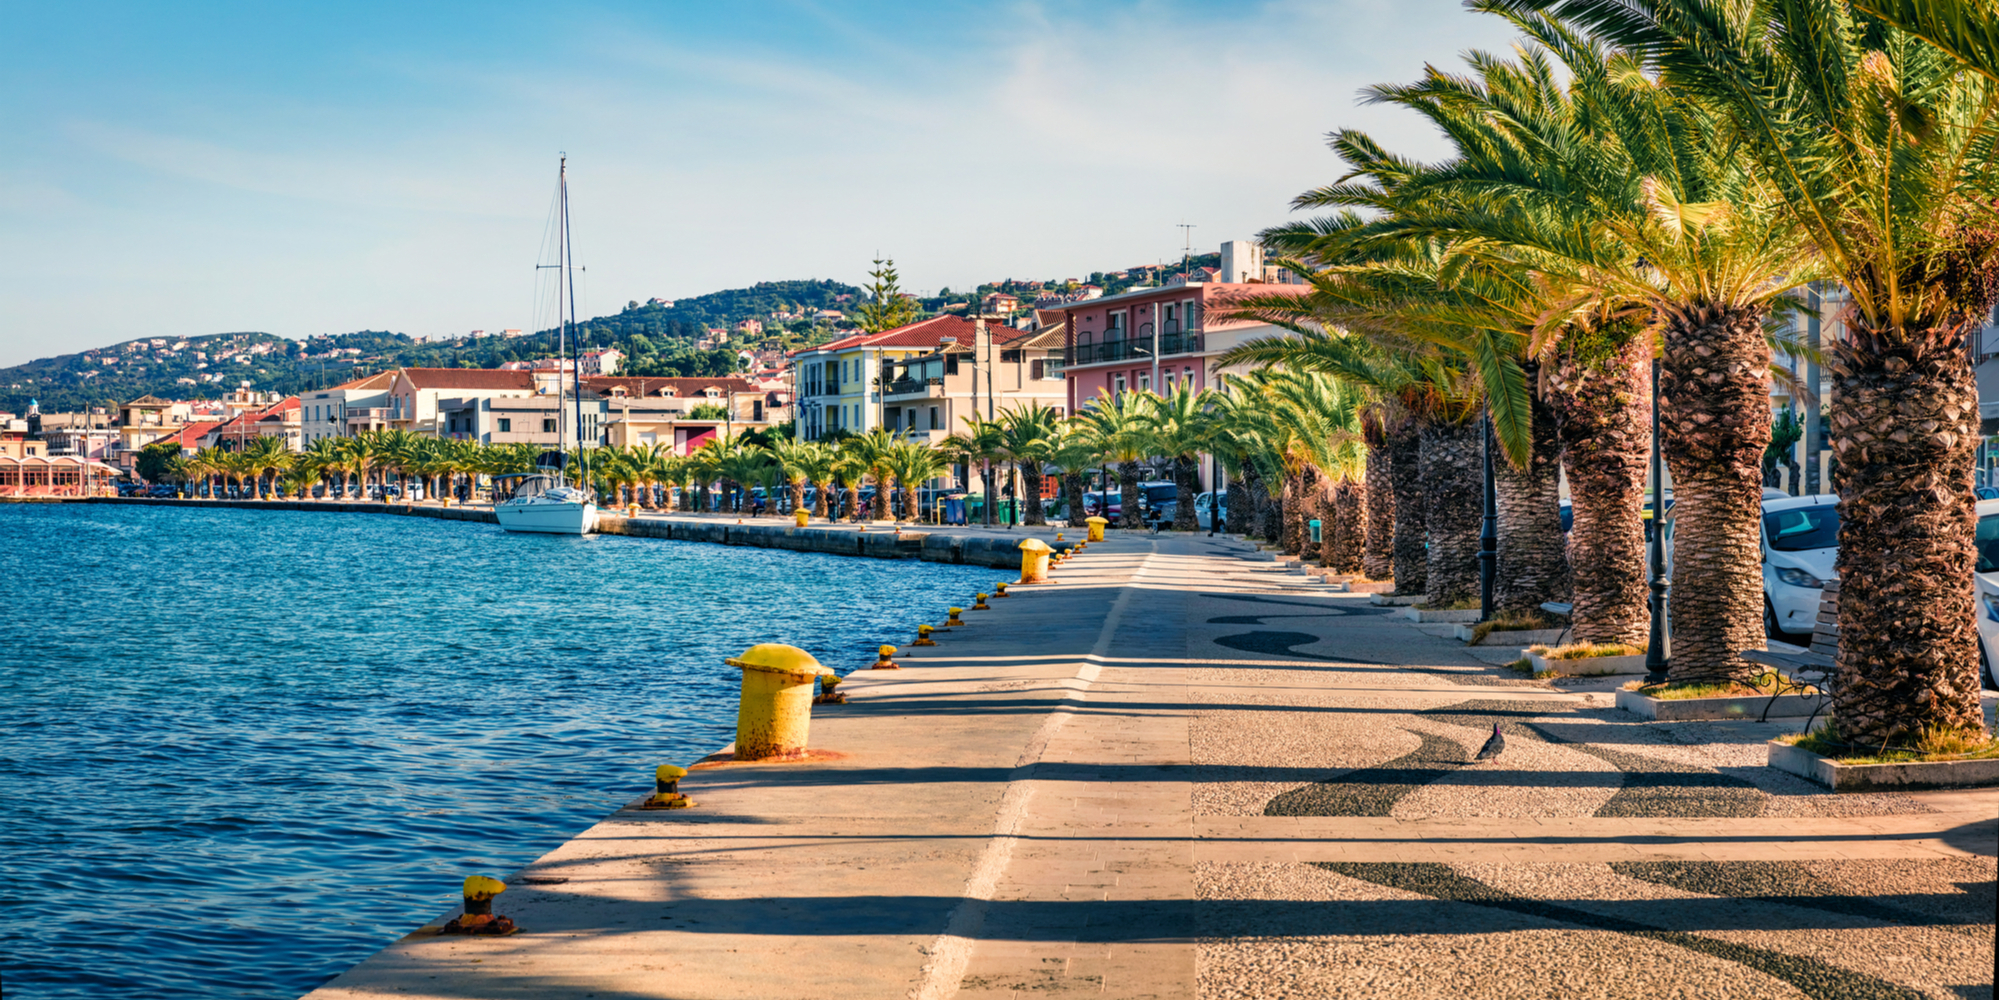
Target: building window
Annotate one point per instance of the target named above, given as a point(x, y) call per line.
point(1118, 383)
point(895, 419)
point(1145, 382)
point(548, 427)
point(506, 426)
point(1114, 326)
point(934, 418)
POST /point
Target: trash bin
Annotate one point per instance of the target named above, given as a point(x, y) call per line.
point(1314, 524)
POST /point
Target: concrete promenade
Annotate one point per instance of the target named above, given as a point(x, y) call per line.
point(1183, 772)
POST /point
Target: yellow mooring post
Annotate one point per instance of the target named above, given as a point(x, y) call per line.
point(951, 617)
point(800, 517)
point(774, 714)
point(827, 695)
point(882, 661)
point(979, 603)
point(479, 917)
point(924, 636)
point(1000, 587)
point(1096, 528)
point(1034, 560)
point(667, 789)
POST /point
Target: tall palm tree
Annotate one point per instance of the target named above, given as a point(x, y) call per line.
point(808, 464)
point(1178, 428)
point(1076, 454)
point(1028, 436)
point(873, 449)
point(1118, 421)
point(1879, 145)
point(1240, 432)
point(911, 464)
point(849, 468)
point(325, 458)
point(980, 442)
point(271, 456)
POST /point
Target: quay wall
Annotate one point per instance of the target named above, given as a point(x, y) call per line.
point(999, 552)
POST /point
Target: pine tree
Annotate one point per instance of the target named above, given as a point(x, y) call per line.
point(886, 308)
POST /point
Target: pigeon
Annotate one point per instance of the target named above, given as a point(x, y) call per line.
point(1493, 746)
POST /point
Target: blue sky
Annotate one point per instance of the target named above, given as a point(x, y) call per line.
point(187, 168)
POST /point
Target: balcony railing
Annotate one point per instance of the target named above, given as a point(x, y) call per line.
point(1127, 350)
point(927, 386)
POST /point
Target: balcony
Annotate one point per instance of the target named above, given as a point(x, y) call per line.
point(922, 388)
point(1141, 348)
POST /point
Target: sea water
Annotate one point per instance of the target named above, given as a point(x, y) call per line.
point(243, 750)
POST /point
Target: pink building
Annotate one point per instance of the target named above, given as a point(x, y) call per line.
point(1153, 339)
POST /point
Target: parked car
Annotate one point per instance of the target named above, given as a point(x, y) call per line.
point(1158, 500)
point(1204, 509)
point(1800, 537)
point(1094, 504)
point(1986, 571)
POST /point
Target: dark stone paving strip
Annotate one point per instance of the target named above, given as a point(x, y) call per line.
point(1792, 884)
point(1373, 791)
point(1281, 644)
point(1811, 976)
point(1652, 787)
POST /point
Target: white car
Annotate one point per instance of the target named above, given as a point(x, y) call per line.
point(1987, 572)
point(1204, 508)
point(1799, 537)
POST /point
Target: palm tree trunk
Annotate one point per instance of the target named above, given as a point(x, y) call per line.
point(819, 500)
point(991, 508)
point(1533, 564)
point(1321, 509)
point(1905, 434)
point(1187, 482)
point(1291, 523)
point(1408, 555)
point(1378, 550)
point(854, 501)
point(882, 491)
point(1128, 495)
point(1348, 519)
point(1269, 513)
point(1031, 486)
point(1601, 407)
point(910, 512)
point(1715, 420)
point(1241, 502)
point(1454, 490)
point(1073, 496)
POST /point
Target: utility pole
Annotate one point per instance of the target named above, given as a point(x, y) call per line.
point(1187, 245)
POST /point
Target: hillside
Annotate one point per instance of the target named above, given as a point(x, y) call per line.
point(657, 339)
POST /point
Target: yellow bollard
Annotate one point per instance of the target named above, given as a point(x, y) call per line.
point(882, 661)
point(631, 510)
point(800, 517)
point(1000, 588)
point(1096, 528)
point(774, 714)
point(479, 917)
point(667, 789)
point(827, 695)
point(1034, 560)
point(1058, 536)
point(924, 636)
point(979, 603)
point(951, 619)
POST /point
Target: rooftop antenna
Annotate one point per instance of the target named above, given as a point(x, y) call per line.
point(1187, 248)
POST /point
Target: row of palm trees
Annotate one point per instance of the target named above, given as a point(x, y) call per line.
point(1646, 186)
point(365, 462)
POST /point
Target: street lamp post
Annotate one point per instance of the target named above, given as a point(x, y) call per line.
point(1489, 538)
point(1659, 652)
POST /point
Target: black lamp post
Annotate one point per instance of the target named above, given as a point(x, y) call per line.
point(1659, 654)
point(1489, 536)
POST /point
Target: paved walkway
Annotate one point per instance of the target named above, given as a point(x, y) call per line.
point(1180, 772)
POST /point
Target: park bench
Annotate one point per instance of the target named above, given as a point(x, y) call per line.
point(1813, 668)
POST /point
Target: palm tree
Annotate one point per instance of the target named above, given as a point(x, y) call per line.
point(269, 455)
point(873, 450)
point(1879, 145)
point(1076, 454)
point(1321, 426)
point(1240, 432)
point(1028, 436)
point(849, 468)
point(981, 441)
point(1119, 424)
point(807, 463)
point(325, 458)
point(1178, 428)
point(912, 463)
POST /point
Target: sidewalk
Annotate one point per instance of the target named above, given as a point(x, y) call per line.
point(1152, 780)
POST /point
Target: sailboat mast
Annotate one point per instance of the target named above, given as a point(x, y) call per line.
point(576, 372)
point(562, 326)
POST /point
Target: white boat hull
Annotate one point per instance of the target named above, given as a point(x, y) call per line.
point(551, 518)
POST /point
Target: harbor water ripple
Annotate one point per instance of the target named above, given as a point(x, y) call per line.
point(245, 749)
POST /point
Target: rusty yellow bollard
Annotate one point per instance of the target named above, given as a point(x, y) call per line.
point(667, 789)
point(774, 714)
point(951, 617)
point(1058, 536)
point(1034, 560)
point(827, 695)
point(979, 603)
point(800, 517)
point(999, 589)
point(632, 509)
point(924, 636)
point(479, 917)
point(1096, 529)
point(882, 661)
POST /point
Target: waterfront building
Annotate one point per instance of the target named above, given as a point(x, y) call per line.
point(682, 412)
point(346, 409)
point(927, 396)
point(92, 434)
point(1153, 339)
point(460, 403)
point(279, 420)
point(839, 385)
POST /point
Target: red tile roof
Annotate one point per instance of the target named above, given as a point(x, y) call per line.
point(686, 385)
point(469, 378)
point(383, 380)
point(924, 333)
point(191, 434)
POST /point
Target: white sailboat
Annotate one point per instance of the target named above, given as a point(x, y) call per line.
point(545, 502)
